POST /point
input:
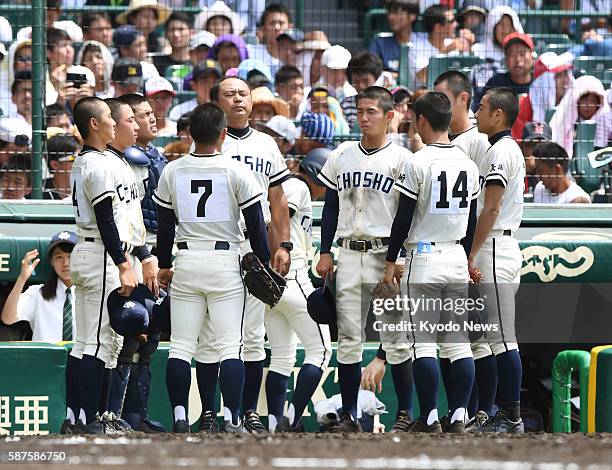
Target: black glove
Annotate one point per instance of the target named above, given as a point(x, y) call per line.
point(262, 281)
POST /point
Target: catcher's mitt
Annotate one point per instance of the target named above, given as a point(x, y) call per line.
point(262, 281)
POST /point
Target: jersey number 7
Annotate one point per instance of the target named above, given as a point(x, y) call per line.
point(195, 189)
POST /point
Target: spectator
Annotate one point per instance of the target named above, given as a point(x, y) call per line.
point(534, 133)
point(247, 11)
point(266, 105)
point(584, 101)
point(97, 26)
point(441, 25)
point(412, 140)
point(175, 150)
point(472, 15)
point(57, 116)
point(204, 77)
point(319, 101)
point(16, 177)
point(289, 84)
point(309, 56)
point(182, 129)
point(60, 54)
point(398, 127)
point(145, 15)
point(551, 79)
point(48, 307)
point(401, 15)
point(219, 19)
point(6, 30)
point(21, 95)
point(159, 93)
point(127, 76)
point(256, 73)
point(178, 33)
point(15, 137)
point(53, 15)
point(73, 91)
point(287, 43)
point(229, 51)
point(595, 43)
point(131, 43)
point(62, 149)
point(284, 133)
point(96, 57)
point(334, 63)
point(555, 187)
point(317, 132)
point(275, 20)
point(19, 59)
point(519, 52)
point(201, 43)
point(586, 6)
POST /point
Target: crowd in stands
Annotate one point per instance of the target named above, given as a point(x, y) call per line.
point(303, 85)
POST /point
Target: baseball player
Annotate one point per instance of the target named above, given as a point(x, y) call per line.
point(465, 135)
point(127, 131)
point(205, 193)
point(496, 253)
point(107, 211)
point(437, 208)
point(359, 207)
point(289, 319)
point(259, 153)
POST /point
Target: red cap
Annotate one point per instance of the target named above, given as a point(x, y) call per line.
point(520, 37)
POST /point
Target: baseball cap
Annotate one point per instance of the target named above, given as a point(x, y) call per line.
point(125, 35)
point(318, 127)
point(158, 85)
point(81, 69)
point(479, 6)
point(279, 126)
point(313, 163)
point(537, 131)
point(206, 68)
point(15, 131)
point(294, 35)
point(202, 38)
point(248, 65)
point(399, 93)
point(518, 37)
point(127, 71)
point(336, 57)
point(61, 237)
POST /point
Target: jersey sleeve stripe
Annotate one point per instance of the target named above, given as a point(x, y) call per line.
point(250, 201)
point(327, 182)
point(497, 176)
point(99, 197)
point(405, 191)
point(280, 174)
point(279, 181)
point(293, 206)
point(161, 202)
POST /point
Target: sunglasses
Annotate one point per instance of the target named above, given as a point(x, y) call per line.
point(23, 58)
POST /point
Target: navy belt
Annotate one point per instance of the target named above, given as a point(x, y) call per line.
point(218, 246)
point(457, 242)
point(125, 247)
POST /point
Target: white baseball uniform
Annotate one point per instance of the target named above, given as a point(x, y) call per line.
point(94, 177)
point(475, 144)
point(444, 182)
point(259, 153)
point(367, 205)
point(207, 193)
point(500, 257)
point(289, 319)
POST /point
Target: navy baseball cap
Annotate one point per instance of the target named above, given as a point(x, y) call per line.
point(60, 238)
point(127, 71)
point(312, 164)
point(129, 316)
point(125, 35)
point(318, 127)
point(537, 131)
point(321, 304)
point(206, 68)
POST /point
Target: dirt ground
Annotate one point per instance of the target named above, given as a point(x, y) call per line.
point(320, 451)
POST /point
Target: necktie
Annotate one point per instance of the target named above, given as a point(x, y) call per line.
point(67, 324)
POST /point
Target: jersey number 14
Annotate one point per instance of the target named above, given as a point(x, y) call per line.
point(457, 200)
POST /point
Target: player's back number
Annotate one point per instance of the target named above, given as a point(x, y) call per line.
point(450, 189)
point(202, 198)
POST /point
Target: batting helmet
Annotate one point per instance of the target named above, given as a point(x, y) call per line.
point(129, 316)
point(161, 313)
point(313, 163)
point(321, 304)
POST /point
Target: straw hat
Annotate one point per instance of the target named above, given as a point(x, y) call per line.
point(162, 10)
point(263, 95)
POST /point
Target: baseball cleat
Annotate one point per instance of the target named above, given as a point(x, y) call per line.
point(95, 427)
point(151, 427)
point(420, 426)
point(502, 423)
point(402, 422)
point(253, 424)
point(68, 427)
point(347, 424)
point(456, 427)
point(208, 422)
point(229, 427)
point(477, 421)
point(115, 425)
point(181, 426)
point(284, 426)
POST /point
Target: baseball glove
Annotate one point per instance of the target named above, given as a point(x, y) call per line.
point(383, 290)
point(262, 281)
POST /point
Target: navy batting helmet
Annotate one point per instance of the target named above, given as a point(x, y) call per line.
point(129, 316)
point(313, 163)
point(321, 304)
point(161, 313)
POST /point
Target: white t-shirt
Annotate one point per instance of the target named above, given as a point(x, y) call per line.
point(364, 181)
point(46, 317)
point(260, 52)
point(542, 195)
point(207, 194)
point(444, 181)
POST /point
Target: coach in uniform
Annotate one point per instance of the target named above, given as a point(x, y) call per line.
point(205, 193)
